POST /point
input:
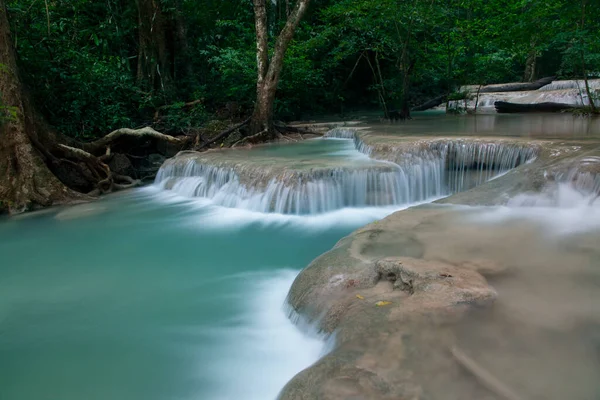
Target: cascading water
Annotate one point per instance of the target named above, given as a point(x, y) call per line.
point(438, 169)
point(188, 300)
point(568, 92)
point(570, 84)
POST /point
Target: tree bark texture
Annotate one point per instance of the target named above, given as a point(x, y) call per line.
point(154, 66)
point(583, 66)
point(269, 70)
point(39, 168)
point(531, 63)
point(26, 182)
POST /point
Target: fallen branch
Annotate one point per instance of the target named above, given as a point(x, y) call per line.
point(224, 134)
point(517, 86)
point(483, 376)
point(431, 103)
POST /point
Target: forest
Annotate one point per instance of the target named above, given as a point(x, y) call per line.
point(183, 71)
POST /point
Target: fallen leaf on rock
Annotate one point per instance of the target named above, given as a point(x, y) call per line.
point(358, 296)
point(383, 303)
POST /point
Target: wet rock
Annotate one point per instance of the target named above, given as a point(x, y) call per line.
point(148, 166)
point(120, 164)
point(78, 179)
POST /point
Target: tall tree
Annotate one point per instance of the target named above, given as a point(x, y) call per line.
point(25, 179)
point(269, 70)
point(154, 66)
point(40, 168)
point(583, 63)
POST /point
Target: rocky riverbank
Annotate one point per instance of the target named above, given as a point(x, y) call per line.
point(420, 302)
point(429, 303)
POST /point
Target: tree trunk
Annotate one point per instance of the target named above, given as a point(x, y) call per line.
point(406, 68)
point(270, 70)
point(531, 63)
point(26, 182)
point(262, 118)
point(153, 67)
point(183, 46)
point(477, 98)
point(583, 66)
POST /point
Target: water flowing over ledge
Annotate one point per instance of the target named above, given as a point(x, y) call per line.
point(571, 92)
point(421, 171)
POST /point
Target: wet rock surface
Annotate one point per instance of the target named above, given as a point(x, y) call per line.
point(458, 287)
point(453, 302)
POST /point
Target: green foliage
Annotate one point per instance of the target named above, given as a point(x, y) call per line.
point(458, 96)
point(80, 60)
point(181, 119)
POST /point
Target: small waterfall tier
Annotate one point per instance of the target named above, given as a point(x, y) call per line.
point(315, 191)
point(571, 92)
point(260, 181)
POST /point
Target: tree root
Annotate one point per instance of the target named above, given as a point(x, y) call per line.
point(147, 132)
point(292, 129)
point(283, 137)
point(256, 138)
point(107, 181)
point(483, 376)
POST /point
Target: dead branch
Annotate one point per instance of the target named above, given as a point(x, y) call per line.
point(224, 134)
point(484, 376)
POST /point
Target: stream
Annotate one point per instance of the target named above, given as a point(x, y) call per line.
point(178, 291)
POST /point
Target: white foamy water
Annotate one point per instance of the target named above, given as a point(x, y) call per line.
point(265, 350)
point(562, 209)
point(439, 170)
point(208, 215)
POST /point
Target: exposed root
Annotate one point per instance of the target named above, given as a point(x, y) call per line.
point(292, 129)
point(147, 132)
point(284, 137)
point(256, 138)
point(107, 181)
point(484, 376)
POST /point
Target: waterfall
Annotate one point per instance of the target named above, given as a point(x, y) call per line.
point(304, 193)
point(471, 164)
point(430, 170)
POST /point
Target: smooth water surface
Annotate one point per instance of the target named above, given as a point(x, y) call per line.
point(529, 126)
point(146, 296)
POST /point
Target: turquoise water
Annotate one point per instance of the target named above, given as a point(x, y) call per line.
point(147, 296)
